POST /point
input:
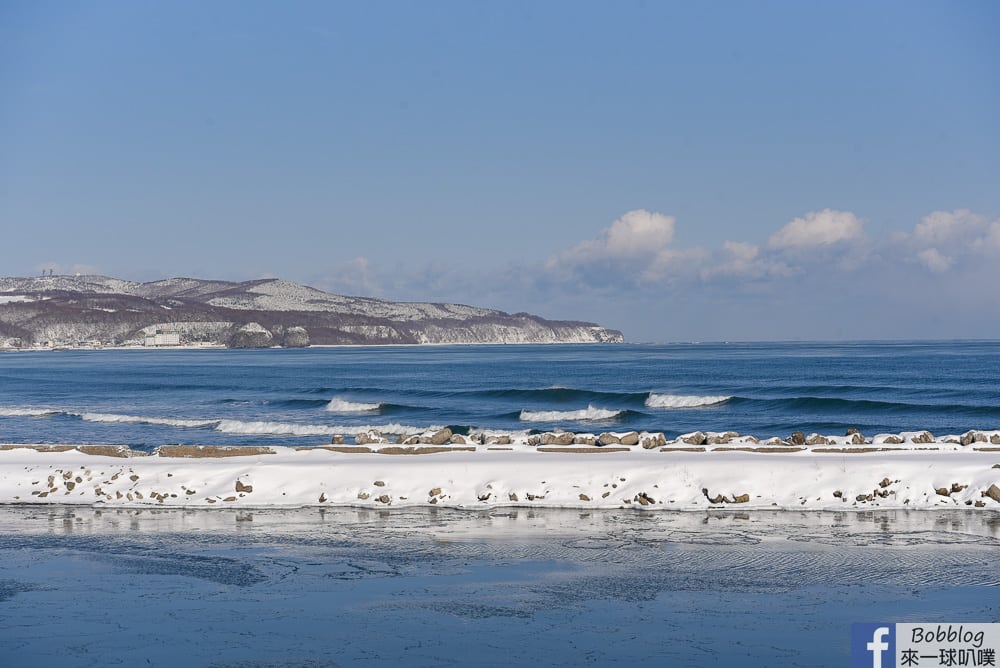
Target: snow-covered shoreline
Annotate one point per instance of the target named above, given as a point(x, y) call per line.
point(661, 479)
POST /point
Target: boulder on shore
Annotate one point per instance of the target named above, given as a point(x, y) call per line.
point(695, 438)
point(557, 438)
point(370, 436)
point(439, 437)
point(607, 438)
point(630, 438)
point(650, 441)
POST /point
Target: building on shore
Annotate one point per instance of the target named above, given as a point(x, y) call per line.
point(162, 337)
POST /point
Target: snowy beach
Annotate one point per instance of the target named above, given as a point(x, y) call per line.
point(918, 476)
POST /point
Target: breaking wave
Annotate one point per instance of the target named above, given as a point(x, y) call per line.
point(588, 414)
point(26, 412)
point(138, 419)
point(684, 400)
point(272, 428)
point(229, 426)
point(262, 428)
point(338, 405)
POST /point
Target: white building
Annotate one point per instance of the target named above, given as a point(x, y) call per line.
point(163, 338)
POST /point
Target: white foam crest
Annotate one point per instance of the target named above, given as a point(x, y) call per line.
point(590, 413)
point(338, 405)
point(272, 428)
point(139, 419)
point(262, 428)
point(26, 412)
point(683, 400)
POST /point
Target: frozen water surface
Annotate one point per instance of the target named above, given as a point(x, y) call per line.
point(428, 587)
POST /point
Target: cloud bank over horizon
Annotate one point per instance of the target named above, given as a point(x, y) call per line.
point(643, 239)
point(819, 275)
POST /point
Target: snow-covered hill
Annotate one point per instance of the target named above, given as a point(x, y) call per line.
point(52, 311)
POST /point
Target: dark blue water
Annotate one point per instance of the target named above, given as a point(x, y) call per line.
point(147, 398)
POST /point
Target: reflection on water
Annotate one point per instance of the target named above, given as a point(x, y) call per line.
point(500, 524)
point(766, 587)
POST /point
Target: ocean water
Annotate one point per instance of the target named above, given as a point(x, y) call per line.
point(146, 398)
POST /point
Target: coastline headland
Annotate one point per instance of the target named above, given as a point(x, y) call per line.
point(698, 471)
point(93, 312)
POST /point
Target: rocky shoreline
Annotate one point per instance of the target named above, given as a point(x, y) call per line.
point(436, 441)
point(697, 441)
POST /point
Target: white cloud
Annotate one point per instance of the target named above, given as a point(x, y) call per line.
point(934, 260)
point(674, 262)
point(743, 260)
point(989, 242)
point(639, 232)
point(942, 238)
point(818, 228)
point(637, 235)
point(741, 251)
point(637, 249)
point(942, 226)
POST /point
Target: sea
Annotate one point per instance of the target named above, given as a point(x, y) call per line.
point(146, 398)
point(327, 587)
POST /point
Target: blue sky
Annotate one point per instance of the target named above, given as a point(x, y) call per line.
point(681, 171)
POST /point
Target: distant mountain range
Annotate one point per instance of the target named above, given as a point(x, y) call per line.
point(68, 311)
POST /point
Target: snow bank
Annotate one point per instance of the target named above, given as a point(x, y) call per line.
point(187, 476)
